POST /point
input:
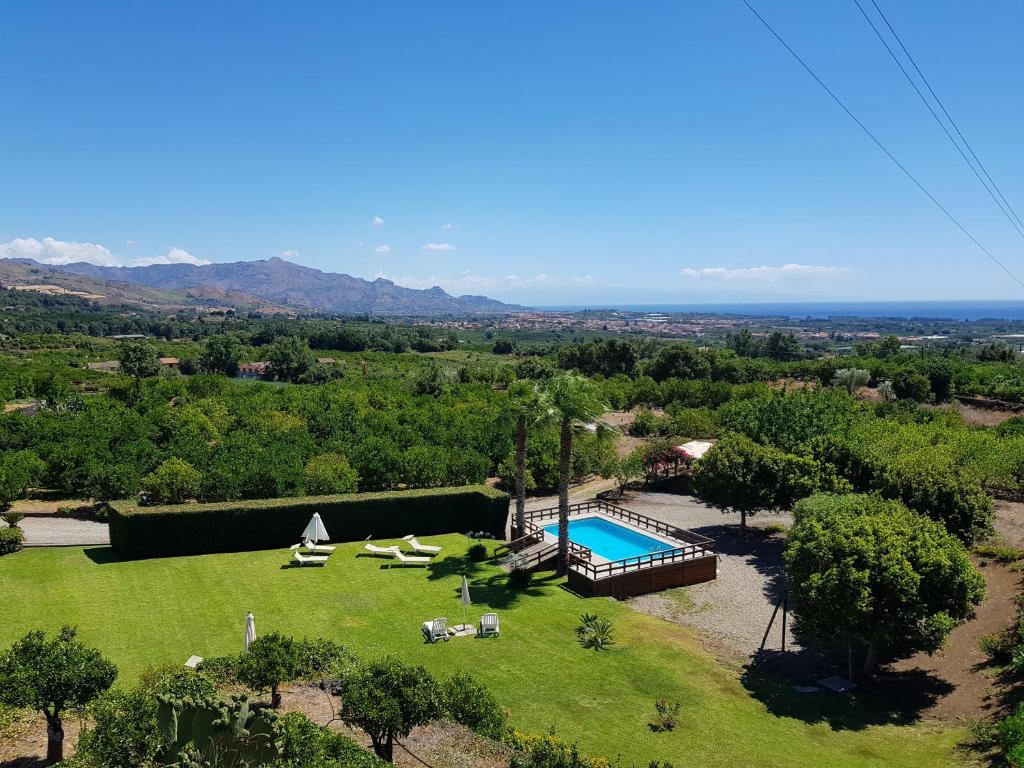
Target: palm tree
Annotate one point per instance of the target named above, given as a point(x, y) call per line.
point(531, 407)
point(576, 404)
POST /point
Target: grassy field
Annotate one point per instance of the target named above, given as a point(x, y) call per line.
point(145, 612)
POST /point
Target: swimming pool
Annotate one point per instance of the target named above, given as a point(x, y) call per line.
point(609, 539)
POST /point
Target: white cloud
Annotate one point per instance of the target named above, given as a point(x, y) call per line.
point(447, 227)
point(385, 248)
point(764, 273)
point(173, 256)
point(437, 247)
point(130, 243)
point(470, 282)
point(51, 251)
point(289, 255)
point(376, 221)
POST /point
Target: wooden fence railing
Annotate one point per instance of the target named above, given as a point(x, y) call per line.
point(695, 544)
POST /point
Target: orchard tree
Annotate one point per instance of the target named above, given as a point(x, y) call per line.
point(173, 482)
point(739, 475)
point(387, 699)
point(330, 473)
point(271, 660)
point(222, 354)
point(139, 360)
point(942, 493)
point(53, 676)
point(575, 403)
point(625, 469)
point(289, 358)
point(18, 471)
point(908, 384)
point(873, 573)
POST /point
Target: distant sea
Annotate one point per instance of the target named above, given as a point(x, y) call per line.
point(941, 310)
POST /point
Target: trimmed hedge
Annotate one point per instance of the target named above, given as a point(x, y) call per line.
point(239, 526)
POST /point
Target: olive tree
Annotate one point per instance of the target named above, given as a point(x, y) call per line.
point(53, 676)
point(871, 572)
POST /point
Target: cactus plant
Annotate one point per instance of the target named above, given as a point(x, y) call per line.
point(214, 732)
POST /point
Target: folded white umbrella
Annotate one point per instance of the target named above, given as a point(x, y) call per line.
point(315, 530)
point(250, 629)
point(466, 601)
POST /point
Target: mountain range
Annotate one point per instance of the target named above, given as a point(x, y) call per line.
point(267, 285)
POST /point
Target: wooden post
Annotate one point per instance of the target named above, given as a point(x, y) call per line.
point(785, 610)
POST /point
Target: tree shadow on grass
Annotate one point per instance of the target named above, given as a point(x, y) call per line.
point(23, 762)
point(892, 698)
point(102, 555)
point(453, 565)
point(494, 591)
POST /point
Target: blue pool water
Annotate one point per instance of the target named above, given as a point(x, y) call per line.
point(610, 540)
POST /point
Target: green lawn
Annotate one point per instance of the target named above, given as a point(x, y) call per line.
point(143, 612)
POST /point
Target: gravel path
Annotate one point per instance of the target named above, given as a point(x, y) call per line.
point(43, 528)
point(735, 608)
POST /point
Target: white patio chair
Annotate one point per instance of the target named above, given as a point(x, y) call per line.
point(436, 630)
point(489, 625)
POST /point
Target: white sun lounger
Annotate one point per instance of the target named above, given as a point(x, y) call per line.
point(424, 549)
point(389, 551)
point(436, 630)
point(489, 625)
point(302, 559)
point(311, 547)
point(411, 558)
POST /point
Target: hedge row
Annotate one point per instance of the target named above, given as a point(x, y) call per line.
point(238, 526)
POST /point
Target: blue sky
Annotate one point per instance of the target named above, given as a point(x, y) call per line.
point(540, 152)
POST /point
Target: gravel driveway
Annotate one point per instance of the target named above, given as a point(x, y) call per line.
point(735, 608)
point(43, 528)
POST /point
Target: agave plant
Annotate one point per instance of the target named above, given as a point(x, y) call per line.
point(595, 632)
point(12, 518)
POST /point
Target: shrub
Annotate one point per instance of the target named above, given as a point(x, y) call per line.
point(548, 751)
point(1001, 554)
point(125, 732)
point(999, 646)
point(239, 526)
point(595, 632)
point(304, 744)
point(223, 669)
point(188, 683)
point(11, 540)
point(666, 716)
point(1010, 735)
point(271, 660)
point(519, 578)
point(468, 702)
point(477, 553)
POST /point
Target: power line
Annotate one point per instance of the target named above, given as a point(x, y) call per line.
point(879, 144)
point(946, 113)
point(1004, 207)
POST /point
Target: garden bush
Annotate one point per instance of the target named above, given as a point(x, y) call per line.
point(519, 578)
point(11, 540)
point(477, 552)
point(188, 529)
